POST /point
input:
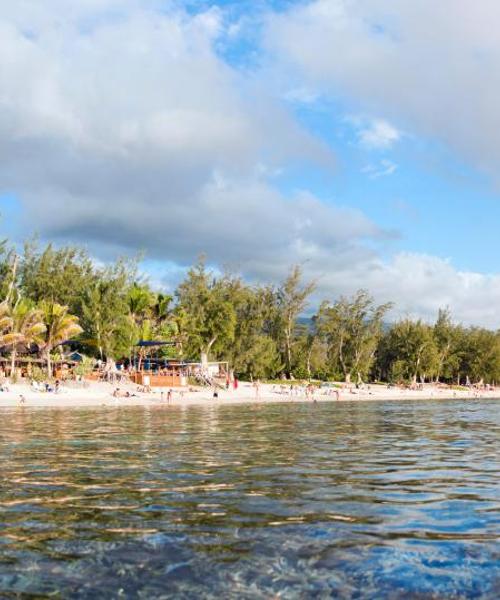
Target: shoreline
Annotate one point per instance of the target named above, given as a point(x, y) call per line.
point(100, 395)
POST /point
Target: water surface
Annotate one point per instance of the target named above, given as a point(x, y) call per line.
point(350, 500)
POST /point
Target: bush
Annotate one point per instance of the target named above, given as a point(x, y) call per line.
point(37, 374)
point(85, 367)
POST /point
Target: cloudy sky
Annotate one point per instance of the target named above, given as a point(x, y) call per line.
point(359, 138)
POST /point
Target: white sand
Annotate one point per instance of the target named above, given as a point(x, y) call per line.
point(101, 394)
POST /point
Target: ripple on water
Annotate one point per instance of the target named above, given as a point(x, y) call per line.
point(360, 500)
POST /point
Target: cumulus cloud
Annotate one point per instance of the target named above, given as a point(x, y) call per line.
point(122, 127)
point(421, 284)
point(429, 66)
point(116, 117)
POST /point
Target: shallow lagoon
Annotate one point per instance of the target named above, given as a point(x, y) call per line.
point(350, 500)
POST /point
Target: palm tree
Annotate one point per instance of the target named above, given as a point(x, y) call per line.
point(161, 308)
point(60, 327)
point(7, 338)
point(5, 325)
point(140, 302)
point(27, 327)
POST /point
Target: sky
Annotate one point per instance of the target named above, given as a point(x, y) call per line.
point(359, 139)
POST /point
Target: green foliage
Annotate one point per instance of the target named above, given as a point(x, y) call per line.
point(85, 366)
point(290, 301)
point(104, 313)
point(60, 326)
point(351, 329)
point(408, 352)
point(37, 374)
point(206, 312)
point(51, 295)
point(58, 276)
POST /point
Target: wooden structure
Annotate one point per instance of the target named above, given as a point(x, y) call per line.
point(150, 369)
point(166, 378)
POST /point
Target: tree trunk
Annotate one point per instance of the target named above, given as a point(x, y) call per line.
point(309, 363)
point(288, 348)
point(49, 364)
point(13, 280)
point(209, 346)
point(347, 374)
point(13, 362)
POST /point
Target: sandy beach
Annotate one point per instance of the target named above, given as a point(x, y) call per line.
point(101, 394)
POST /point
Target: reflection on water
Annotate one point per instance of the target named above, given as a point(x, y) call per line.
point(355, 500)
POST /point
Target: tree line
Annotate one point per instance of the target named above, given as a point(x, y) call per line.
point(51, 295)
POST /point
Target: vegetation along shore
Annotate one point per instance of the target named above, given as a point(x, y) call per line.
point(55, 302)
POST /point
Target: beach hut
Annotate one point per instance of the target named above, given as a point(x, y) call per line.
point(152, 370)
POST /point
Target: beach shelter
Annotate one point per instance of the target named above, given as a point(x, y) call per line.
point(152, 345)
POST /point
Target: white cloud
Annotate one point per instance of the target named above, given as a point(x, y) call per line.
point(421, 284)
point(383, 169)
point(122, 128)
point(302, 95)
point(430, 67)
point(379, 135)
point(115, 116)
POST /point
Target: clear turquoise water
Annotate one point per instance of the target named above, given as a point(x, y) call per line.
point(355, 500)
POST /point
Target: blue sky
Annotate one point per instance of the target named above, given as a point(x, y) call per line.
point(356, 138)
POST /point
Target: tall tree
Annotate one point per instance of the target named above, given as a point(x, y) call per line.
point(7, 337)
point(291, 300)
point(54, 275)
point(311, 355)
point(209, 317)
point(408, 352)
point(253, 353)
point(105, 313)
point(60, 326)
point(447, 337)
point(27, 328)
point(480, 355)
point(351, 328)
